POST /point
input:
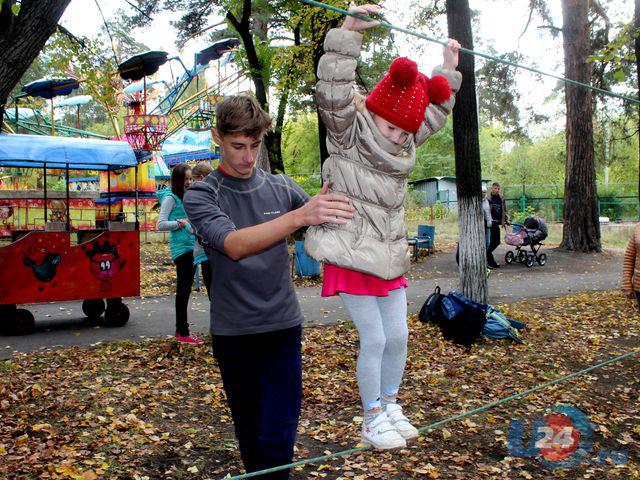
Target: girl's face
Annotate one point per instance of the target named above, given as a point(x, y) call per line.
point(188, 179)
point(390, 131)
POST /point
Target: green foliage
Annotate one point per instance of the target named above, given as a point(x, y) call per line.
point(436, 157)
point(414, 198)
point(498, 94)
point(618, 55)
point(438, 211)
point(611, 206)
point(311, 184)
point(300, 145)
point(519, 216)
point(541, 162)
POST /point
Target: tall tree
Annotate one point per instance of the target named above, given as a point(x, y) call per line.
point(636, 43)
point(473, 260)
point(581, 230)
point(25, 27)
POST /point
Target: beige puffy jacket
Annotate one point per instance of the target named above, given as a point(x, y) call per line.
point(365, 166)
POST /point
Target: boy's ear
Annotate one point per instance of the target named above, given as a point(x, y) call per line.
point(216, 136)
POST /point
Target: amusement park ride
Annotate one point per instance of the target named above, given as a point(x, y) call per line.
point(59, 258)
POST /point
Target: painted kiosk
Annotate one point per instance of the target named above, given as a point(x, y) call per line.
point(100, 268)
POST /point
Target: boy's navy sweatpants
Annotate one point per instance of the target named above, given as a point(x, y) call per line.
point(262, 377)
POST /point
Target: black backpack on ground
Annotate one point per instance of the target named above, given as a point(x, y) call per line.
point(461, 320)
point(431, 311)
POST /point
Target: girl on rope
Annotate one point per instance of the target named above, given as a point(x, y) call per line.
point(172, 218)
point(372, 144)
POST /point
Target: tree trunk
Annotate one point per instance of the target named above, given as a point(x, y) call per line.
point(581, 230)
point(243, 27)
point(22, 37)
point(636, 21)
point(277, 131)
point(473, 257)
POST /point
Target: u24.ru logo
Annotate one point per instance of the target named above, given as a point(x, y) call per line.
point(560, 439)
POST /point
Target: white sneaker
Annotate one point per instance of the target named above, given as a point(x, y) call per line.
point(400, 422)
point(381, 434)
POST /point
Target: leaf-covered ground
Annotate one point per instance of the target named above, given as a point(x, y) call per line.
point(156, 409)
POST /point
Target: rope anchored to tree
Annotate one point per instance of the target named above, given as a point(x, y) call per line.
point(435, 425)
point(471, 52)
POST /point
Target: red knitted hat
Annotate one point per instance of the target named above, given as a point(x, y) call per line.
point(404, 93)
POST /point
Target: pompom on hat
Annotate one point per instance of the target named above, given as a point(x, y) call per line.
point(404, 94)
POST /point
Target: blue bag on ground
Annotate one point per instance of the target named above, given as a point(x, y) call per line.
point(463, 321)
point(499, 326)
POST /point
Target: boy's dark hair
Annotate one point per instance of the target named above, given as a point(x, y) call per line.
point(495, 184)
point(241, 115)
point(177, 179)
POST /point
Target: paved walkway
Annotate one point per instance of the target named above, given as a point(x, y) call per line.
point(62, 324)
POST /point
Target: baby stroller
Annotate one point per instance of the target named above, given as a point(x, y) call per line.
point(531, 233)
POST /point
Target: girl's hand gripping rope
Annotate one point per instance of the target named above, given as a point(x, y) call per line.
point(355, 24)
point(450, 54)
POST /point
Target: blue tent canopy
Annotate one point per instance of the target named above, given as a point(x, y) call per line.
point(74, 101)
point(51, 87)
point(216, 51)
point(37, 151)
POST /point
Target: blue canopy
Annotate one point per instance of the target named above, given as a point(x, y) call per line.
point(143, 64)
point(74, 101)
point(51, 87)
point(38, 151)
point(216, 51)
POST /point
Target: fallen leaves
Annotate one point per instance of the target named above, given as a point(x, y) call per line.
point(155, 410)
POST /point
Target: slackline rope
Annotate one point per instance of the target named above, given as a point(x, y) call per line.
point(441, 422)
point(471, 52)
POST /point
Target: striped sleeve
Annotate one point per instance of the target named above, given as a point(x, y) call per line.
point(629, 265)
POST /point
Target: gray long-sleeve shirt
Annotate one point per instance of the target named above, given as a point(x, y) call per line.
point(164, 224)
point(254, 294)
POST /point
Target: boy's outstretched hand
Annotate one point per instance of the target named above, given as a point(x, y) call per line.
point(450, 54)
point(355, 24)
point(325, 208)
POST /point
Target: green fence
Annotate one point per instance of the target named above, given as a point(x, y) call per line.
point(617, 201)
point(619, 209)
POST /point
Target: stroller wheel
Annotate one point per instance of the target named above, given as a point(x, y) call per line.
point(542, 259)
point(522, 256)
point(509, 257)
point(530, 260)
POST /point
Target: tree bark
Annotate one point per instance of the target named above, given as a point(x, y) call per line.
point(473, 258)
point(636, 22)
point(243, 27)
point(22, 37)
point(581, 230)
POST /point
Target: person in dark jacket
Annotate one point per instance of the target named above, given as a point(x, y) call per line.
point(499, 219)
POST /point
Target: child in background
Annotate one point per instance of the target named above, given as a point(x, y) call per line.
point(172, 218)
point(199, 172)
point(372, 146)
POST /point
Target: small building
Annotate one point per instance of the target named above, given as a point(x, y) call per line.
point(438, 189)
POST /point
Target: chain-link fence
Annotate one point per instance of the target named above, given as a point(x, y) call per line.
point(616, 201)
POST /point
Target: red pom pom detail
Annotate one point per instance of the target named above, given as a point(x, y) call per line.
point(438, 89)
point(403, 71)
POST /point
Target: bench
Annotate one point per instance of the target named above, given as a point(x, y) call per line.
point(416, 243)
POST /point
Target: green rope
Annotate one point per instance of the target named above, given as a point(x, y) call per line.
point(441, 422)
point(471, 52)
